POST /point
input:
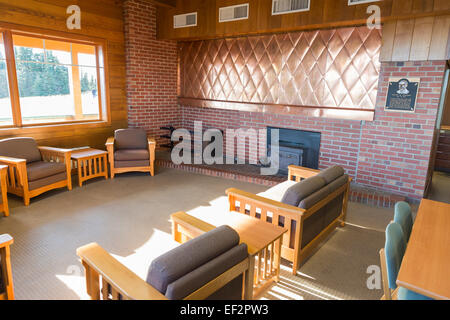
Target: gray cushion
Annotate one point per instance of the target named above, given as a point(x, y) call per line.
point(131, 164)
point(36, 184)
point(182, 260)
point(20, 148)
point(131, 154)
point(301, 190)
point(40, 169)
point(130, 139)
point(197, 278)
point(312, 199)
point(331, 174)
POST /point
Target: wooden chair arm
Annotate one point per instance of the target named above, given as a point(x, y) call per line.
point(61, 151)
point(122, 279)
point(151, 141)
point(269, 204)
point(109, 141)
point(301, 172)
point(6, 240)
point(11, 161)
point(51, 154)
point(185, 227)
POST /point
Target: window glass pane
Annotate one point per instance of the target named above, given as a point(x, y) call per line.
point(87, 60)
point(89, 91)
point(45, 92)
point(56, 56)
point(52, 85)
point(28, 48)
point(5, 101)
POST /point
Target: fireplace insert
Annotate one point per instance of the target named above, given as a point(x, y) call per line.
point(297, 147)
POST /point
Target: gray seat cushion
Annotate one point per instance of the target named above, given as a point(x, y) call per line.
point(301, 190)
point(131, 164)
point(332, 173)
point(40, 169)
point(130, 139)
point(36, 184)
point(189, 256)
point(20, 148)
point(131, 154)
point(197, 278)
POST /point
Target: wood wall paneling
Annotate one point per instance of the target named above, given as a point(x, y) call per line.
point(420, 39)
point(322, 14)
point(101, 19)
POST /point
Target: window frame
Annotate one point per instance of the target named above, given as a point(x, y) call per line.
point(7, 31)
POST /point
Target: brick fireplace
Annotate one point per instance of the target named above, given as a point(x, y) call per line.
point(388, 151)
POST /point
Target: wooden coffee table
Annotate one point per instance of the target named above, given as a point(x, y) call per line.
point(263, 241)
point(91, 163)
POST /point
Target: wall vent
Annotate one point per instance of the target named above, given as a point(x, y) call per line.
point(233, 13)
point(289, 6)
point(353, 2)
point(185, 20)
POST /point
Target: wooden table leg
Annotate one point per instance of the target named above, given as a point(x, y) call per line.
point(80, 181)
point(277, 259)
point(105, 166)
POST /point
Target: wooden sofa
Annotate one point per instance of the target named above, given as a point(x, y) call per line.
point(309, 222)
point(4, 207)
point(34, 170)
point(6, 280)
point(174, 275)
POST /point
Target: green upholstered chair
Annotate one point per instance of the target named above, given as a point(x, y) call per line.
point(391, 259)
point(403, 216)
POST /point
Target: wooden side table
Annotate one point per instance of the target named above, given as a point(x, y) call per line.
point(263, 241)
point(91, 163)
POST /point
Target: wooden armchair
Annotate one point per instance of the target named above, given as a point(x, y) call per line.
point(4, 207)
point(6, 280)
point(307, 226)
point(131, 150)
point(34, 170)
point(108, 279)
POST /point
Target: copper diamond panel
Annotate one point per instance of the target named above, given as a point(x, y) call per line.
point(324, 68)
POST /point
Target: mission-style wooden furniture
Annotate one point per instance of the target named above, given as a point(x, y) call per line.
point(131, 150)
point(108, 279)
point(34, 170)
point(263, 243)
point(296, 246)
point(425, 266)
point(6, 280)
point(90, 163)
point(4, 207)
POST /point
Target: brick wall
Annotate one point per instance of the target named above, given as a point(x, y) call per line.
point(151, 70)
point(396, 147)
point(389, 154)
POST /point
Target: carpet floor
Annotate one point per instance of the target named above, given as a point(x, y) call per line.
point(129, 217)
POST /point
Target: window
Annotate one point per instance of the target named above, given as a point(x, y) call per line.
point(6, 118)
point(56, 81)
